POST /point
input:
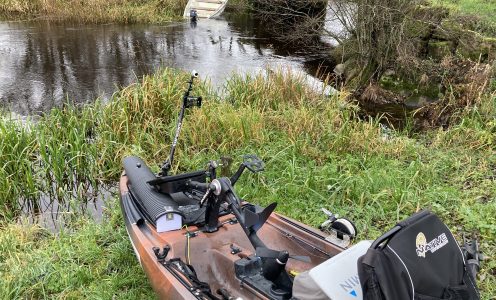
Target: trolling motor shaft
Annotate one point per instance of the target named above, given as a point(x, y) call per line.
point(188, 102)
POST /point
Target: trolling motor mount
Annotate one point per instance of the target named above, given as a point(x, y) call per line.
point(272, 263)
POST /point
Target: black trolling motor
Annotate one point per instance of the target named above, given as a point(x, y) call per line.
point(193, 15)
point(188, 102)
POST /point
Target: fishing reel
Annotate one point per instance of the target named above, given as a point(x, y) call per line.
point(341, 230)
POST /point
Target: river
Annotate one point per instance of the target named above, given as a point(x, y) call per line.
point(43, 65)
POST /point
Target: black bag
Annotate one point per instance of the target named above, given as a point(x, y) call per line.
point(419, 259)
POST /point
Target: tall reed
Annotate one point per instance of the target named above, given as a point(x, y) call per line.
point(94, 11)
point(18, 158)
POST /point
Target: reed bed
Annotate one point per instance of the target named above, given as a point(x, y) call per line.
point(94, 11)
point(18, 156)
point(93, 262)
point(318, 153)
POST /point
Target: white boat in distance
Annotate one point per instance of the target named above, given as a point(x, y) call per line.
point(205, 8)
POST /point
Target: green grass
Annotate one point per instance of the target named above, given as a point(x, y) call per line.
point(485, 9)
point(317, 154)
point(84, 261)
point(94, 11)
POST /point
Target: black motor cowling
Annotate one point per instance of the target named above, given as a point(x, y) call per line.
point(193, 14)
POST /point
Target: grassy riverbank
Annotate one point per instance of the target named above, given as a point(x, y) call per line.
point(317, 152)
point(484, 9)
point(84, 261)
point(94, 11)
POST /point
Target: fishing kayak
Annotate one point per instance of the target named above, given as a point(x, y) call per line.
point(223, 259)
point(196, 239)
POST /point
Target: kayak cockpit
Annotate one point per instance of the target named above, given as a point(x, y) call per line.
point(225, 260)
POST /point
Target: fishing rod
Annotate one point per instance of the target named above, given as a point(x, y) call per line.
point(188, 102)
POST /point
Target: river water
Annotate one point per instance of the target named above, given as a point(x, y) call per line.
point(42, 65)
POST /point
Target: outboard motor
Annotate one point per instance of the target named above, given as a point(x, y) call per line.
point(193, 15)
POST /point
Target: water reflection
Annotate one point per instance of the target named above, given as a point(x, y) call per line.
point(42, 65)
point(55, 215)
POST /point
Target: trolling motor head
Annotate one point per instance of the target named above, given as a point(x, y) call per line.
point(188, 102)
point(193, 15)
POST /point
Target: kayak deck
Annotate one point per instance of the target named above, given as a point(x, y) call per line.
point(213, 255)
